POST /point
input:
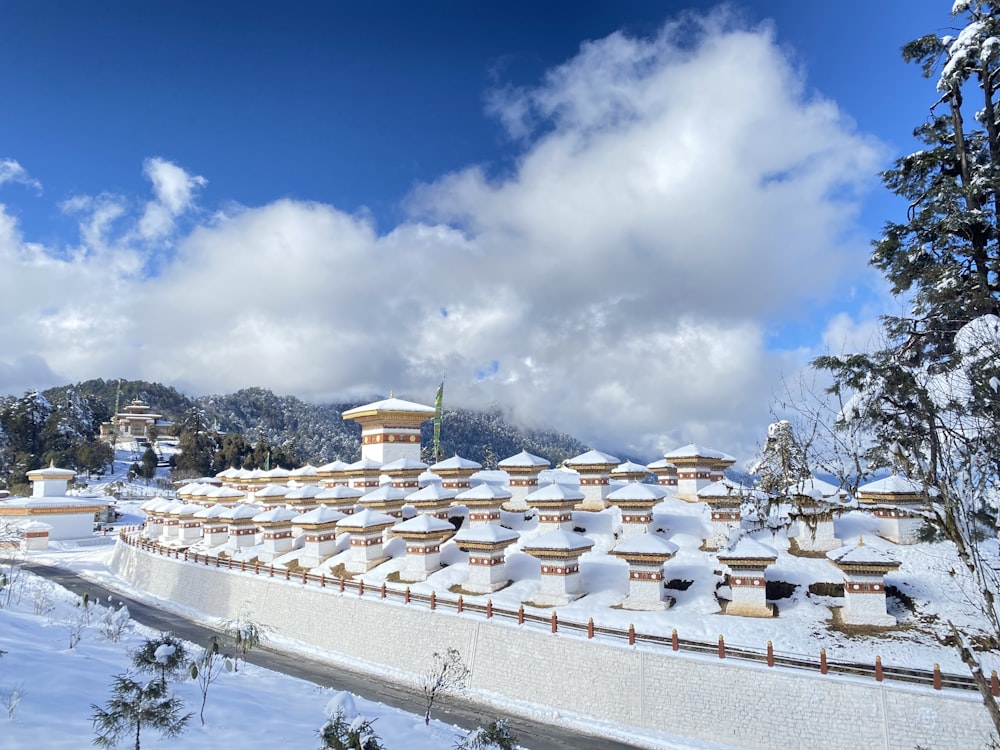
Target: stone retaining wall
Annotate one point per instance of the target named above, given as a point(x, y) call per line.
point(736, 704)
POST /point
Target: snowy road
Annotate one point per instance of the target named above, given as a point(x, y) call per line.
point(461, 712)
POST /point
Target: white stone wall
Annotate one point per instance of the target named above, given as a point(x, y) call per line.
point(702, 697)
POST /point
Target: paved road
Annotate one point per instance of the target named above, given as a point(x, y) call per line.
point(455, 710)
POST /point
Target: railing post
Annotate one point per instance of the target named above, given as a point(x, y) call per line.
point(937, 676)
point(878, 669)
point(722, 648)
point(459, 604)
point(243, 566)
point(229, 563)
point(288, 574)
point(674, 641)
point(590, 627)
point(631, 634)
point(489, 608)
point(555, 621)
point(304, 570)
point(383, 590)
point(770, 654)
point(270, 570)
point(406, 596)
point(994, 684)
point(520, 614)
point(322, 580)
point(433, 600)
point(361, 587)
point(341, 585)
point(822, 661)
point(256, 568)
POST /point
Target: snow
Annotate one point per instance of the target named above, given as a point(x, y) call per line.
point(48, 689)
point(593, 458)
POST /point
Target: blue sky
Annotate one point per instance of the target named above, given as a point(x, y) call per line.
point(619, 219)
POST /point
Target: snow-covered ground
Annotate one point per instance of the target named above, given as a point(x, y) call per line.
point(47, 688)
point(935, 587)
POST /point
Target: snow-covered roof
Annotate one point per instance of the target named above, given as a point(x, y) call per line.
point(301, 493)
point(322, 514)
point(894, 484)
point(303, 471)
point(638, 491)
point(661, 464)
point(748, 548)
point(629, 467)
point(277, 473)
point(484, 492)
point(383, 493)
point(559, 540)
point(433, 491)
point(241, 512)
point(213, 511)
point(339, 492)
point(365, 519)
point(813, 487)
point(487, 533)
point(388, 406)
point(333, 467)
point(862, 555)
point(404, 464)
point(51, 472)
point(456, 463)
point(219, 492)
point(524, 460)
point(593, 458)
point(554, 491)
point(693, 450)
point(423, 524)
point(273, 490)
point(275, 515)
point(364, 464)
point(646, 544)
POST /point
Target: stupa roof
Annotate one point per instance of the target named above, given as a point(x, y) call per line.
point(693, 450)
point(389, 405)
point(384, 492)
point(322, 514)
point(365, 464)
point(646, 544)
point(456, 463)
point(339, 492)
point(638, 491)
point(524, 460)
point(273, 490)
point(404, 464)
point(275, 515)
point(554, 491)
point(366, 519)
point(241, 512)
point(862, 555)
point(487, 533)
point(894, 484)
point(559, 540)
point(747, 548)
point(593, 458)
point(484, 492)
point(433, 491)
point(423, 524)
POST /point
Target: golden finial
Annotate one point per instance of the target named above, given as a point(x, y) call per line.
point(861, 541)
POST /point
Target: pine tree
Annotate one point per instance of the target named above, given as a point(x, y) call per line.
point(135, 706)
point(928, 396)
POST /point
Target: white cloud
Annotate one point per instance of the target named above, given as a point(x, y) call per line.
point(173, 190)
point(12, 171)
point(674, 196)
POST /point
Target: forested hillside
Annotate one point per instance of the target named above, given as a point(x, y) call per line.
point(60, 425)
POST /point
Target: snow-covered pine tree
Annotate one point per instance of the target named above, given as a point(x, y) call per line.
point(929, 395)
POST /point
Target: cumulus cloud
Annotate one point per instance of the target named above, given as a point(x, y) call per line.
point(671, 197)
